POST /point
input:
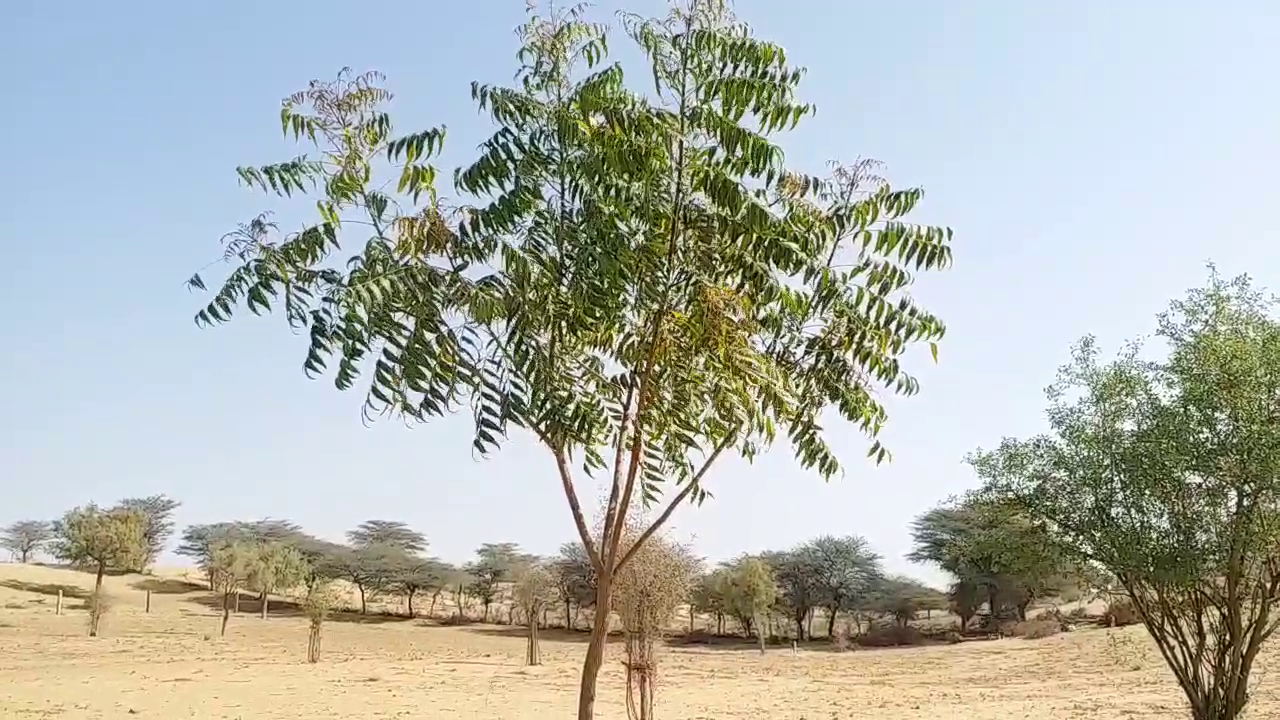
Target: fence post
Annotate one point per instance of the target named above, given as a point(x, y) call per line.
point(148, 601)
point(57, 609)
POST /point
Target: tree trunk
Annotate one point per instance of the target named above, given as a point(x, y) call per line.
point(534, 654)
point(226, 613)
point(809, 622)
point(364, 607)
point(410, 599)
point(595, 650)
point(435, 596)
point(832, 614)
point(264, 604)
point(486, 611)
point(760, 633)
point(236, 598)
point(1022, 610)
point(568, 617)
point(691, 619)
point(313, 641)
point(24, 555)
point(95, 611)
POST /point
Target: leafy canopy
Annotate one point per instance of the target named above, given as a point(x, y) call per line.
point(614, 270)
point(103, 538)
point(1166, 474)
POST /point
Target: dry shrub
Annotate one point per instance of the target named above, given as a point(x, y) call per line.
point(647, 591)
point(1121, 612)
point(891, 636)
point(1036, 629)
point(317, 604)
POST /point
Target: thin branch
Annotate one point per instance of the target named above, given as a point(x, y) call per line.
point(689, 487)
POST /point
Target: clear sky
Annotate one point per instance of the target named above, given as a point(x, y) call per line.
point(1089, 155)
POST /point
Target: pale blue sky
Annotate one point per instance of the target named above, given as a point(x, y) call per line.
point(1089, 155)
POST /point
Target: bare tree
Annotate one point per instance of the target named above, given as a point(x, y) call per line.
point(649, 589)
point(535, 590)
point(100, 540)
point(26, 537)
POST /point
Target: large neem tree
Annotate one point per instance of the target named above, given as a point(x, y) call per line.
point(637, 280)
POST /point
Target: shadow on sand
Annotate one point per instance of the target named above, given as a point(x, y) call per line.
point(250, 605)
point(50, 589)
point(168, 586)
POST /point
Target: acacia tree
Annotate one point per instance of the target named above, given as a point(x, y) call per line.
point(574, 580)
point(845, 570)
point(993, 546)
point(158, 511)
point(414, 575)
point(1167, 475)
point(100, 540)
point(639, 282)
point(495, 565)
point(388, 533)
point(26, 537)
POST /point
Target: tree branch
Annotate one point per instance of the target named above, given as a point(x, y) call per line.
point(689, 487)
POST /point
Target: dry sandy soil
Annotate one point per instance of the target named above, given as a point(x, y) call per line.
point(169, 665)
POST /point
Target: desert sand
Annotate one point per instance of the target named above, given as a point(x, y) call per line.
point(170, 664)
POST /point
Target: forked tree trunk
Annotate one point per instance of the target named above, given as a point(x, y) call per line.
point(410, 599)
point(595, 650)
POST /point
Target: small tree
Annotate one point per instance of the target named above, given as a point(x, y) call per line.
point(649, 590)
point(231, 566)
point(275, 566)
point(158, 511)
point(574, 580)
point(535, 590)
point(101, 540)
point(753, 592)
point(1166, 474)
point(26, 537)
point(494, 565)
point(372, 569)
point(317, 604)
point(416, 575)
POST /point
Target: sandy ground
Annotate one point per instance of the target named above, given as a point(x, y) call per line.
point(169, 664)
